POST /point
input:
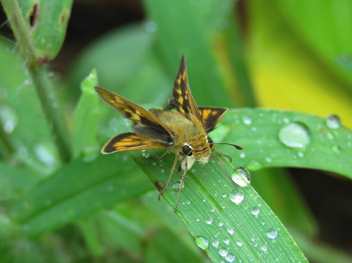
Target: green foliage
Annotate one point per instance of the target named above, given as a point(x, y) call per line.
point(62, 201)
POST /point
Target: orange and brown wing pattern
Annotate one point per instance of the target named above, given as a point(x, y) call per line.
point(182, 99)
point(211, 117)
point(133, 112)
point(127, 142)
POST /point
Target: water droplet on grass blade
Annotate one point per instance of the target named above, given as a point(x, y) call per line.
point(237, 196)
point(272, 233)
point(202, 242)
point(333, 121)
point(295, 135)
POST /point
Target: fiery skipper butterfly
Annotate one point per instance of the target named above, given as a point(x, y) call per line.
point(183, 132)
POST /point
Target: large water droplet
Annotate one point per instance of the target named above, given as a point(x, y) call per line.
point(245, 177)
point(333, 121)
point(202, 242)
point(295, 135)
point(230, 258)
point(237, 196)
point(223, 252)
point(239, 243)
point(272, 233)
point(177, 185)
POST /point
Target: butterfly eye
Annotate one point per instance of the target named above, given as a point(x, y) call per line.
point(210, 141)
point(187, 150)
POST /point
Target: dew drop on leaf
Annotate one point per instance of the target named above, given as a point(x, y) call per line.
point(294, 135)
point(272, 233)
point(237, 196)
point(333, 121)
point(202, 242)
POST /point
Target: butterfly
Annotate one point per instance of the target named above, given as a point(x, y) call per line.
point(183, 132)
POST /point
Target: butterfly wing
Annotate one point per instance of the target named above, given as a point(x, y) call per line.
point(134, 112)
point(182, 99)
point(211, 117)
point(127, 142)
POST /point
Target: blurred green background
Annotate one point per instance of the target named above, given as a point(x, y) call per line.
point(282, 54)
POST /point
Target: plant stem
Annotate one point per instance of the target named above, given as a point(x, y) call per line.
point(20, 29)
point(44, 86)
point(52, 111)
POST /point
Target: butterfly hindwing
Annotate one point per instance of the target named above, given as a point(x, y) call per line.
point(127, 142)
point(132, 111)
point(211, 117)
point(182, 99)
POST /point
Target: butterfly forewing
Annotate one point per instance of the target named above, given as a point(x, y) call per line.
point(211, 117)
point(127, 142)
point(182, 99)
point(134, 112)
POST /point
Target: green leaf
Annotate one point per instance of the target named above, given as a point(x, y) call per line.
point(47, 22)
point(128, 46)
point(20, 109)
point(186, 28)
point(206, 206)
point(80, 189)
point(86, 120)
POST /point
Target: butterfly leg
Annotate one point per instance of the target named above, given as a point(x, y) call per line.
point(220, 163)
point(168, 180)
point(181, 186)
point(222, 154)
point(157, 158)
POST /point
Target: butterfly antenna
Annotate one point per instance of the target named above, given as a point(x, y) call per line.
point(236, 146)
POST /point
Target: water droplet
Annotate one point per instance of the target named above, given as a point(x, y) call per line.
point(44, 154)
point(151, 26)
point(255, 211)
point(162, 171)
point(272, 233)
point(237, 196)
point(264, 248)
point(239, 243)
point(226, 240)
point(247, 120)
point(230, 230)
point(221, 224)
point(333, 121)
point(8, 119)
point(268, 159)
point(300, 154)
point(230, 258)
point(125, 158)
point(254, 128)
point(209, 220)
point(254, 165)
point(243, 178)
point(110, 188)
point(295, 135)
point(242, 155)
point(215, 243)
point(202, 242)
point(188, 202)
point(336, 149)
point(177, 185)
point(223, 252)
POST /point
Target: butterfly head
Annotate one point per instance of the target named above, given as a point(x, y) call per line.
point(198, 150)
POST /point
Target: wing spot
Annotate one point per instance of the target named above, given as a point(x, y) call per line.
point(214, 113)
point(180, 100)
